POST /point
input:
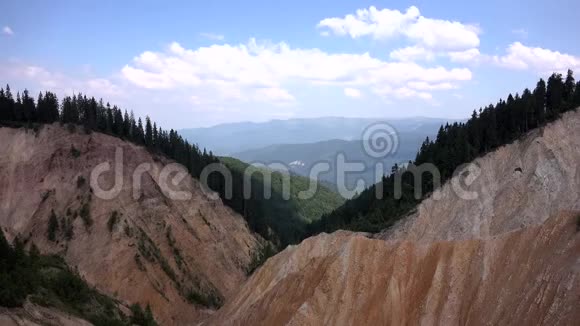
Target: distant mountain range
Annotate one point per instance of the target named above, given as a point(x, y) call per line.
point(300, 158)
point(226, 139)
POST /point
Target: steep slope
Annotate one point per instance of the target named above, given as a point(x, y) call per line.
point(286, 218)
point(150, 250)
point(527, 277)
point(35, 315)
point(509, 257)
point(518, 185)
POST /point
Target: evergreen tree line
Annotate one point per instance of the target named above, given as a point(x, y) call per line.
point(92, 115)
point(455, 144)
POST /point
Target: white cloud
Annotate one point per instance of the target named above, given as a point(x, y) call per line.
point(273, 94)
point(412, 53)
point(471, 55)
point(401, 93)
point(43, 79)
point(443, 34)
point(212, 36)
point(261, 70)
point(541, 60)
point(352, 92)
point(384, 24)
point(6, 30)
point(423, 86)
point(381, 24)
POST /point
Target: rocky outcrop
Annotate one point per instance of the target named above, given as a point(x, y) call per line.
point(138, 246)
point(510, 256)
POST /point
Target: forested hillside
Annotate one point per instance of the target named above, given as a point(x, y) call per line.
point(48, 281)
point(91, 115)
point(283, 221)
point(455, 144)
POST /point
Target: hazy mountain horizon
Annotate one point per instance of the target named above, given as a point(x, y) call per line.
point(228, 138)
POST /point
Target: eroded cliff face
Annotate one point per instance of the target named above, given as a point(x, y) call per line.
point(526, 277)
point(510, 257)
point(154, 251)
point(516, 186)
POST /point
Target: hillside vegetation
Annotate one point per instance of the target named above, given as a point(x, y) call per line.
point(280, 220)
point(86, 114)
point(455, 144)
point(48, 281)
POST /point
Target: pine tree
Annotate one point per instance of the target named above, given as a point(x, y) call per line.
point(126, 126)
point(540, 102)
point(118, 121)
point(90, 114)
point(569, 86)
point(577, 95)
point(133, 129)
point(148, 133)
point(110, 122)
point(7, 105)
point(155, 136)
point(28, 107)
point(70, 113)
point(52, 226)
point(51, 103)
point(139, 133)
point(554, 96)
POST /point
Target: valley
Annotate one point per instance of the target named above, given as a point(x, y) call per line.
point(289, 163)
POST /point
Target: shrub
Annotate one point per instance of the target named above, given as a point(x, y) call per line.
point(210, 300)
point(260, 256)
point(74, 152)
point(112, 221)
point(81, 181)
point(52, 226)
point(67, 226)
point(85, 214)
point(140, 317)
point(45, 195)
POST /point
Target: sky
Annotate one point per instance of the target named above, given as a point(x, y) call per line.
point(196, 64)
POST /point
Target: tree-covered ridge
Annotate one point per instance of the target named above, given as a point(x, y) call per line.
point(48, 281)
point(282, 221)
point(94, 115)
point(88, 114)
point(456, 144)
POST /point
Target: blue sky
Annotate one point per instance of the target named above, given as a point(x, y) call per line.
point(189, 64)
